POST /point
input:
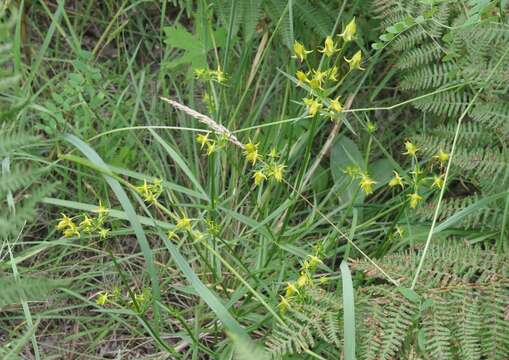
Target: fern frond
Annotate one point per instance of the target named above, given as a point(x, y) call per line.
point(450, 103)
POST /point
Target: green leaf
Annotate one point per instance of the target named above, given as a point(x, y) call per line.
point(410, 295)
point(247, 349)
point(377, 45)
point(381, 171)
point(348, 311)
point(194, 46)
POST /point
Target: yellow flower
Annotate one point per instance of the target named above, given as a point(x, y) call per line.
point(315, 84)
point(320, 75)
point(314, 261)
point(283, 304)
point(184, 223)
point(323, 280)
point(102, 298)
point(336, 105)
point(291, 289)
point(65, 222)
point(302, 76)
point(442, 157)
point(202, 139)
point(253, 157)
point(219, 75)
point(276, 171)
point(349, 31)
point(367, 183)
point(355, 61)
point(396, 181)
point(71, 231)
point(300, 51)
point(313, 106)
point(201, 73)
point(144, 189)
point(414, 199)
point(303, 280)
point(329, 48)
point(211, 147)
point(411, 149)
point(332, 73)
point(438, 181)
point(259, 177)
point(371, 127)
point(251, 152)
point(104, 232)
point(101, 210)
point(87, 224)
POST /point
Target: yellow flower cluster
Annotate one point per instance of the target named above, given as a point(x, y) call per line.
point(418, 181)
point(211, 75)
point(321, 82)
point(264, 170)
point(296, 290)
point(150, 192)
point(142, 299)
point(74, 227)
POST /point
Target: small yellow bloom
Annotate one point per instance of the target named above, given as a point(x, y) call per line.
point(211, 147)
point(65, 222)
point(371, 127)
point(104, 232)
point(102, 298)
point(202, 139)
point(319, 75)
point(396, 181)
point(201, 73)
point(219, 75)
point(367, 183)
point(442, 157)
point(87, 224)
point(302, 76)
point(303, 280)
point(253, 156)
point(276, 171)
point(250, 147)
point(313, 106)
point(332, 73)
point(349, 31)
point(414, 199)
point(323, 280)
point(329, 48)
point(300, 51)
point(259, 177)
point(283, 304)
point(315, 84)
point(101, 210)
point(314, 261)
point(438, 181)
point(336, 105)
point(291, 289)
point(411, 149)
point(355, 61)
point(184, 223)
point(71, 231)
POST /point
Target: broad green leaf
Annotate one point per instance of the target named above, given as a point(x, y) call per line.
point(348, 311)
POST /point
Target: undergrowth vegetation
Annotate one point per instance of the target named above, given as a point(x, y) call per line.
point(254, 179)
